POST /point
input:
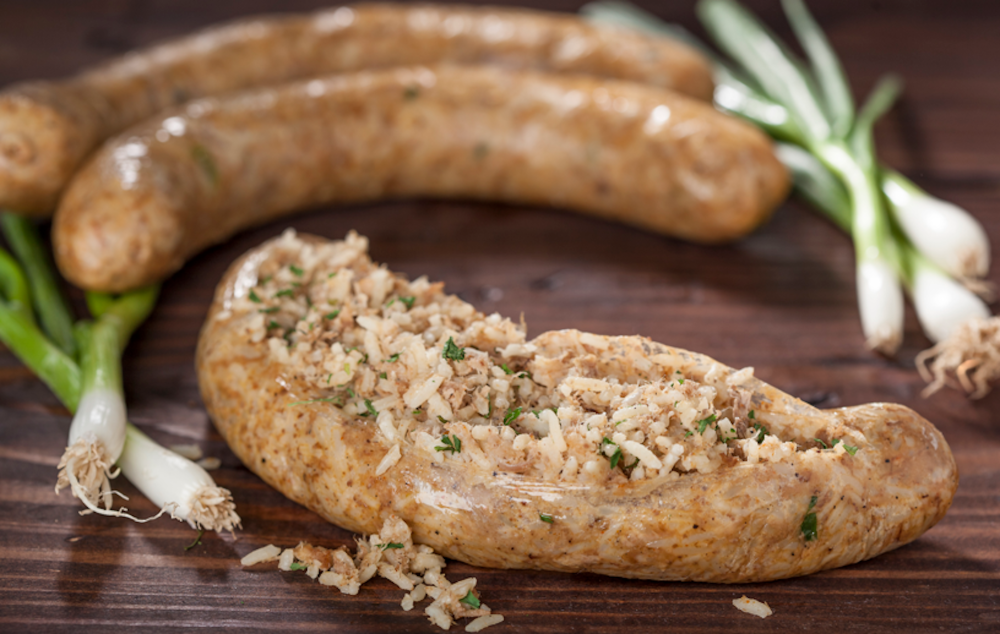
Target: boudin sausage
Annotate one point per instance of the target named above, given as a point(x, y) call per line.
point(48, 128)
point(362, 395)
point(162, 191)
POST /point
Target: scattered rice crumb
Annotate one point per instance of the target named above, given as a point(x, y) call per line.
point(261, 555)
point(391, 554)
point(209, 464)
point(483, 622)
point(752, 606)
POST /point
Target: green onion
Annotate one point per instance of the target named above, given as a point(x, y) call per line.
point(944, 233)
point(53, 309)
point(175, 484)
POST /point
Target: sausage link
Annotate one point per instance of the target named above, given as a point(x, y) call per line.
point(48, 128)
point(164, 190)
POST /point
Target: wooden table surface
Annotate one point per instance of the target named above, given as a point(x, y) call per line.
point(781, 300)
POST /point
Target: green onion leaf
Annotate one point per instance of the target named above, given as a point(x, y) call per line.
point(295, 270)
point(298, 566)
point(744, 38)
point(390, 545)
point(829, 73)
point(546, 518)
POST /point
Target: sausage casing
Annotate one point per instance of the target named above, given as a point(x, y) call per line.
point(48, 128)
point(166, 189)
point(320, 405)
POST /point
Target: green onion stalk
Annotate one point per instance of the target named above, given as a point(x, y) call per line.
point(901, 233)
point(100, 436)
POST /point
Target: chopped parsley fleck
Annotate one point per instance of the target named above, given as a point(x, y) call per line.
point(409, 301)
point(822, 443)
point(546, 518)
point(285, 293)
point(390, 545)
point(751, 415)
point(266, 279)
point(332, 315)
point(329, 377)
point(411, 93)
point(382, 375)
point(511, 415)
point(205, 161)
point(489, 411)
point(298, 566)
point(761, 432)
point(452, 351)
point(450, 443)
point(616, 457)
point(442, 419)
point(524, 375)
point(271, 310)
point(350, 392)
point(331, 275)
point(254, 297)
point(471, 600)
point(848, 448)
point(394, 358)
point(295, 270)
point(336, 400)
point(809, 525)
point(417, 412)
point(506, 370)
point(688, 434)
point(273, 324)
point(680, 381)
point(370, 409)
point(705, 422)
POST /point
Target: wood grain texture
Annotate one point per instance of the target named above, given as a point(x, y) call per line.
point(782, 300)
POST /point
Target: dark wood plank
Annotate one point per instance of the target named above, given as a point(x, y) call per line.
point(782, 300)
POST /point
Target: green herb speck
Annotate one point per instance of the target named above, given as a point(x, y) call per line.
point(471, 600)
point(452, 351)
point(511, 415)
point(450, 443)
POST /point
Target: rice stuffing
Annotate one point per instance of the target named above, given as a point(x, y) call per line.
point(450, 383)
